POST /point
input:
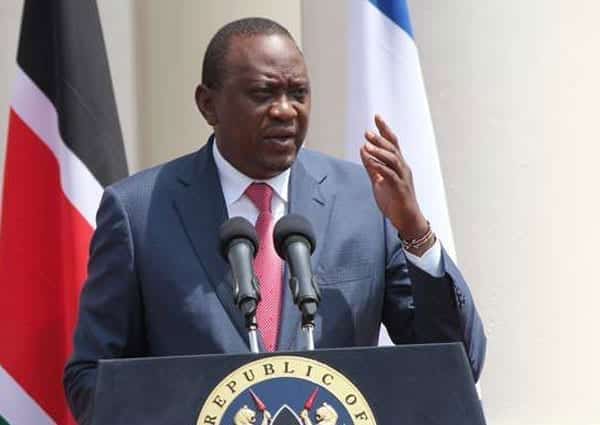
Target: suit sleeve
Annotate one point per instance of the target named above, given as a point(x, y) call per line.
point(110, 322)
point(420, 308)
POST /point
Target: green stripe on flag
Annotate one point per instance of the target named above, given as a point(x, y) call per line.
point(3, 421)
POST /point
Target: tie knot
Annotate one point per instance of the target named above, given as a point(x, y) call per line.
point(261, 195)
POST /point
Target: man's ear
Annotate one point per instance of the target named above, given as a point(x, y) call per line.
point(206, 105)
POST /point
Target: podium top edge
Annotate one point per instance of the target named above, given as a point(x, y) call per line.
point(420, 347)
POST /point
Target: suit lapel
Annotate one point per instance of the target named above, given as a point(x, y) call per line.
point(201, 207)
point(308, 199)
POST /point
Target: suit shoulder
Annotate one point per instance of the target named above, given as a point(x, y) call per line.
point(151, 181)
point(320, 165)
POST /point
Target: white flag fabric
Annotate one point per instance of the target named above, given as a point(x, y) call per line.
point(384, 76)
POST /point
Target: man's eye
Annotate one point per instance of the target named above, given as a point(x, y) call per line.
point(261, 94)
point(299, 93)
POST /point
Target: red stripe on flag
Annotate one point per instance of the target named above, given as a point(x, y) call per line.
point(43, 256)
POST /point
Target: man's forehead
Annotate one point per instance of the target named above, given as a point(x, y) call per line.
point(264, 53)
point(266, 76)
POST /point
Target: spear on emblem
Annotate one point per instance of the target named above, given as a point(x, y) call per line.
point(310, 402)
point(261, 407)
point(259, 403)
point(308, 405)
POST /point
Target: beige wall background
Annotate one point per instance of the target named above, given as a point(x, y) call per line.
point(513, 88)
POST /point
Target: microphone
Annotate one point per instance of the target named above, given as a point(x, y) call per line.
point(295, 242)
point(238, 244)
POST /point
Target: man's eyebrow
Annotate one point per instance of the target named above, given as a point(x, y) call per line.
point(260, 79)
point(299, 80)
point(270, 82)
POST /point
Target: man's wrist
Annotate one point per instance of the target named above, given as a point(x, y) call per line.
point(411, 225)
point(421, 243)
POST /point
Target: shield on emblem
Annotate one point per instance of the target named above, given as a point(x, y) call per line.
point(286, 416)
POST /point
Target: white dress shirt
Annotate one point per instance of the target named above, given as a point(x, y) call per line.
point(234, 184)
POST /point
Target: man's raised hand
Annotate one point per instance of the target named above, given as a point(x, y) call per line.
point(392, 181)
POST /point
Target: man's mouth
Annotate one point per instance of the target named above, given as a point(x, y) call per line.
point(280, 136)
point(279, 139)
point(280, 133)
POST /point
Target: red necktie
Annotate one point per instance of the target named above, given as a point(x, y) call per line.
point(268, 265)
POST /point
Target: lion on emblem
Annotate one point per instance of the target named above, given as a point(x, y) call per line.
point(325, 415)
point(246, 416)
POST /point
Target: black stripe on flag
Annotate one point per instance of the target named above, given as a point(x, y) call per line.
point(62, 51)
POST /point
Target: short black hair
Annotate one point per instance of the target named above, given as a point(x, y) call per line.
point(213, 65)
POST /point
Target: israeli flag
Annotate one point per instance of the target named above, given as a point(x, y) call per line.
point(384, 76)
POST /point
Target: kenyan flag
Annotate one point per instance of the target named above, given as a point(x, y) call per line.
point(64, 146)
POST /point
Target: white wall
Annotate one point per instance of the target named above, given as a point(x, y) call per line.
point(513, 88)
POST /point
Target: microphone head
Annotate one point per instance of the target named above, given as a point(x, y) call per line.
point(236, 228)
point(293, 225)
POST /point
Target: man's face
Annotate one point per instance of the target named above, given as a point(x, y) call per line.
point(260, 113)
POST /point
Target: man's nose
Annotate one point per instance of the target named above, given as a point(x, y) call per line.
point(283, 109)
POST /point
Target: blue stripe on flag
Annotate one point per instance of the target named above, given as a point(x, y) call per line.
point(397, 11)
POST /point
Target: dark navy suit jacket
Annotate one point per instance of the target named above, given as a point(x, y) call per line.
point(157, 285)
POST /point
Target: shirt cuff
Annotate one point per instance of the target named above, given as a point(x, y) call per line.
point(431, 260)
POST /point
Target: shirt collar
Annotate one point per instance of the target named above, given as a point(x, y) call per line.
point(234, 182)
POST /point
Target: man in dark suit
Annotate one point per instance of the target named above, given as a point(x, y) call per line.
point(157, 285)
